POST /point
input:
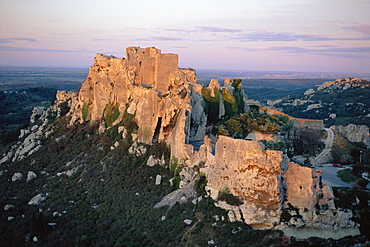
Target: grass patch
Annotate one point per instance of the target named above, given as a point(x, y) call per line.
point(347, 175)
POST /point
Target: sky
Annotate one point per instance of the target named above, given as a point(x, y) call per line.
point(294, 35)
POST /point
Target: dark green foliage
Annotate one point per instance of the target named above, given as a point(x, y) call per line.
point(240, 125)
point(175, 169)
point(110, 114)
point(16, 108)
point(362, 182)
point(230, 105)
point(307, 141)
point(85, 111)
point(128, 121)
point(238, 95)
point(347, 175)
point(212, 105)
point(350, 106)
point(347, 198)
point(64, 108)
point(286, 215)
point(225, 195)
point(282, 146)
point(200, 185)
point(174, 119)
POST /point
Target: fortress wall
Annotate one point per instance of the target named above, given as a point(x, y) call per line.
point(301, 183)
point(308, 123)
point(167, 63)
point(147, 69)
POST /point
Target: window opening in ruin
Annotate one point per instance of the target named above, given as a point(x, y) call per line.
point(157, 130)
point(300, 187)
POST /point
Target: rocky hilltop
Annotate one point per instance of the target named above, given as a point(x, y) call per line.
point(340, 102)
point(344, 84)
point(169, 106)
point(143, 102)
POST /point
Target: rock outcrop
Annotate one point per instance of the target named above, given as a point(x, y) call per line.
point(354, 133)
point(167, 105)
point(344, 84)
point(251, 174)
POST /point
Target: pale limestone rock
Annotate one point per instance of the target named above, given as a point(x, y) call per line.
point(37, 199)
point(17, 176)
point(227, 81)
point(354, 133)
point(11, 218)
point(188, 222)
point(30, 176)
point(158, 179)
point(198, 118)
point(309, 91)
point(151, 161)
point(169, 200)
point(251, 174)
point(187, 175)
point(343, 84)
point(213, 84)
point(8, 206)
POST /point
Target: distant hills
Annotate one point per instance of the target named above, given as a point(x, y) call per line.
point(339, 102)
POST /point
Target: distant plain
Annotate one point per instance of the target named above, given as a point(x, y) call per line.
point(259, 85)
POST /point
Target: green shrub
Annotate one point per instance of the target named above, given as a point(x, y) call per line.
point(225, 195)
point(85, 111)
point(347, 175)
point(212, 105)
point(110, 113)
point(173, 120)
point(200, 185)
point(231, 107)
point(362, 182)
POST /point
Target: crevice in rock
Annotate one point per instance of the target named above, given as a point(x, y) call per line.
point(157, 130)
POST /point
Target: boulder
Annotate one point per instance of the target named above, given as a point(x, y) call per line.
point(188, 222)
point(17, 176)
point(158, 179)
point(169, 200)
point(8, 206)
point(30, 176)
point(37, 199)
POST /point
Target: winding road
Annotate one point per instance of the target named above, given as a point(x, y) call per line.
point(324, 156)
point(329, 172)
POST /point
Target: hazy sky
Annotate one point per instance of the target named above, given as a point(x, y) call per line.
point(317, 36)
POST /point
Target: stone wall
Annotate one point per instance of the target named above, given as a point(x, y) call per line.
point(302, 184)
point(152, 67)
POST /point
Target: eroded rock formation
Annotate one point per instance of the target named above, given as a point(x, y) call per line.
point(168, 105)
